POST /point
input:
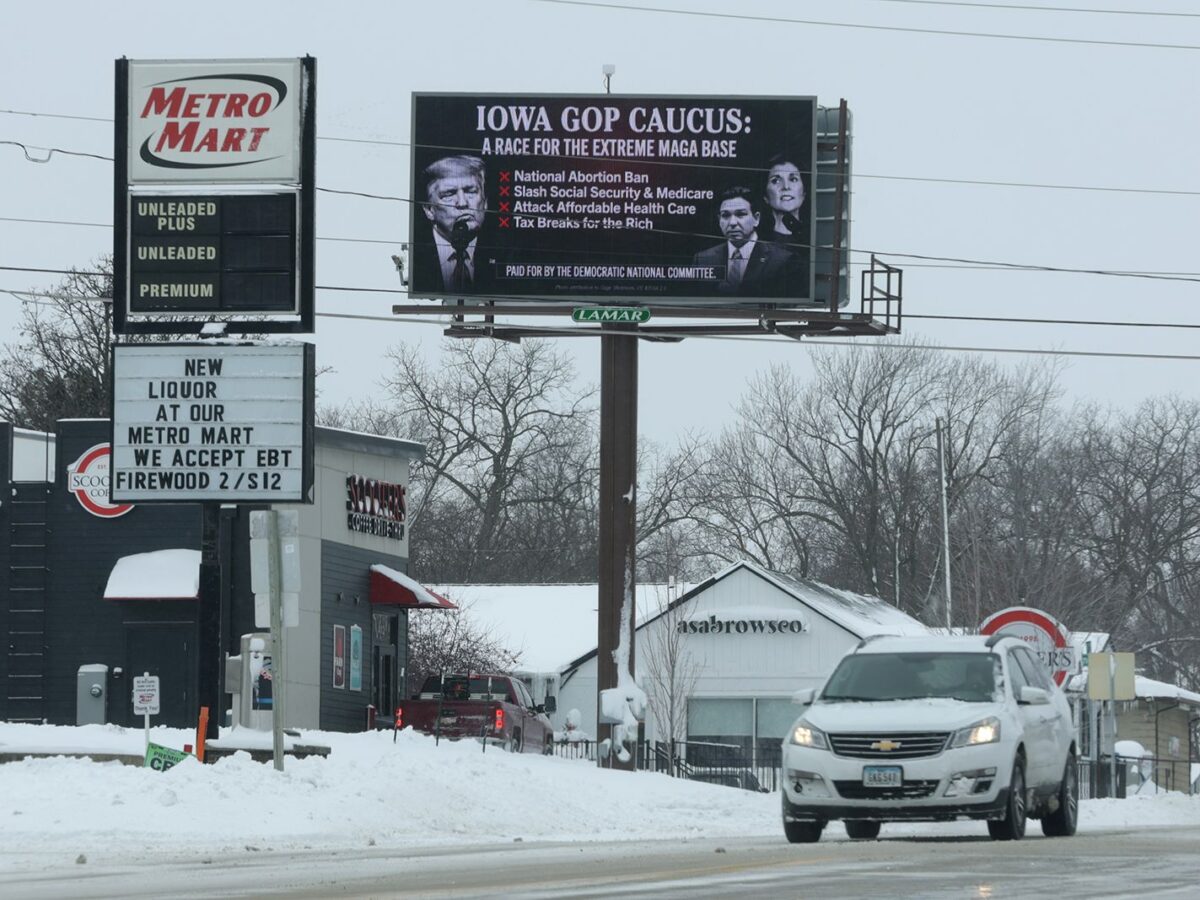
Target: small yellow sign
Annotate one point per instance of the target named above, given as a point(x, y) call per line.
point(1110, 676)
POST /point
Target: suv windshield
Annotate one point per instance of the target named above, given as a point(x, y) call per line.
point(909, 676)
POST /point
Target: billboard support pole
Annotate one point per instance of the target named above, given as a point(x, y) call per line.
point(209, 618)
point(618, 516)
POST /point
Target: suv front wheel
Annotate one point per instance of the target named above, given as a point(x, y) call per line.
point(803, 832)
point(1012, 826)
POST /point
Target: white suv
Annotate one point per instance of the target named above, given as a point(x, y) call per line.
point(932, 728)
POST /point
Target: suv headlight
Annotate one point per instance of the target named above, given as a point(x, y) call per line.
point(806, 735)
point(986, 731)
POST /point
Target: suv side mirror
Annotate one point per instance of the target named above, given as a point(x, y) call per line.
point(550, 704)
point(804, 697)
point(1033, 696)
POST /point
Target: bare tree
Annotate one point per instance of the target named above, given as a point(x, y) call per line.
point(1141, 500)
point(452, 641)
point(58, 368)
point(670, 671)
point(507, 486)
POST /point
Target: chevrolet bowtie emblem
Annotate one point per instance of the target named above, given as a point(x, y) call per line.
point(885, 745)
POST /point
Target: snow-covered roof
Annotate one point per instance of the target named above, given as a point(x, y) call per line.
point(158, 575)
point(549, 624)
point(1143, 688)
point(1149, 689)
point(860, 614)
point(928, 643)
point(554, 625)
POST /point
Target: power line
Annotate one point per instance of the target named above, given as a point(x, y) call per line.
point(551, 331)
point(450, 312)
point(955, 265)
point(1066, 9)
point(897, 28)
point(981, 182)
point(50, 151)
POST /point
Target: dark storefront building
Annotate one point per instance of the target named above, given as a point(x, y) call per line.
point(87, 583)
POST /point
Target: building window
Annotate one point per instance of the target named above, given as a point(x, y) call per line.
point(773, 717)
point(720, 731)
point(738, 732)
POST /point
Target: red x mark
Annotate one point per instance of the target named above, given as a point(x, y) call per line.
point(504, 206)
point(504, 221)
point(504, 176)
point(504, 191)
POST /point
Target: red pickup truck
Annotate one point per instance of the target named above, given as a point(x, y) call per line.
point(496, 709)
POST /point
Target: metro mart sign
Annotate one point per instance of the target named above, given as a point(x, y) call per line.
point(227, 423)
point(198, 121)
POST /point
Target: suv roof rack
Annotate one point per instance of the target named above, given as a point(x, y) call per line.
point(994, 638)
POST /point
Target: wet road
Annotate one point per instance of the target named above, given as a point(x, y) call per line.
point(1141, 863)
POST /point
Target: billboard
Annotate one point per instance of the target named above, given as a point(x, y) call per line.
point(642, 198)
point(224, 423)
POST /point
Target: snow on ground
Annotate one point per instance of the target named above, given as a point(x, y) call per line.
point(373, 792)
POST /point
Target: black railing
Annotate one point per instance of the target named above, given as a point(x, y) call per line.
point(735, 766)
point(698, 760)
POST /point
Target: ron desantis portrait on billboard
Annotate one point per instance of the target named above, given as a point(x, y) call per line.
point(447, 258)
point(746, 264)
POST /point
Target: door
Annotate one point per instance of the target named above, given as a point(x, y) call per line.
point(1036, 724)
point(168, 651)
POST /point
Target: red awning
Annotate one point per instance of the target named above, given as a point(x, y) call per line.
point(396, 589)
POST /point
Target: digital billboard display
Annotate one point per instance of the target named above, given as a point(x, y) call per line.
point(698, 199)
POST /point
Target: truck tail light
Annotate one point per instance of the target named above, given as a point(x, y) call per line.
point(399, 717)
point(499, 718)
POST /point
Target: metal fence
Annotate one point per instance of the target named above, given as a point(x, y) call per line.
point(732, 766)
point(698, 760)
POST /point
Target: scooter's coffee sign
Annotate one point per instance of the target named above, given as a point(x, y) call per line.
point(88, 479)
point(224, 120)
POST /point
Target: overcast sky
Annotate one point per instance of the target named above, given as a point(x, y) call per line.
point(1062, 114)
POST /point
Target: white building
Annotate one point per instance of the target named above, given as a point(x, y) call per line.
point(742, 642)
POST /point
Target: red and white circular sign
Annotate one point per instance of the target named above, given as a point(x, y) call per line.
point(1046, 636)
point(87, 479)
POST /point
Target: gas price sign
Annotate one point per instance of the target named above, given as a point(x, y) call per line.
point(226, 423)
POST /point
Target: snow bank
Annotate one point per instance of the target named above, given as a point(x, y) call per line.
point(371, 791)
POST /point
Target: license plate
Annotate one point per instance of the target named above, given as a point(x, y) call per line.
point(882, 776)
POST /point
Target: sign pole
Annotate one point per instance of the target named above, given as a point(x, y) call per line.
point(618, 516)
point(146, 719)
point(209, 616)
point(1112, 721)
point(276, 638)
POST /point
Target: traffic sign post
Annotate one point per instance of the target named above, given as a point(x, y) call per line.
point(146, 700)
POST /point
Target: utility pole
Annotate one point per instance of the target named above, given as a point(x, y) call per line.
point(618, 516)
point(941, 459)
